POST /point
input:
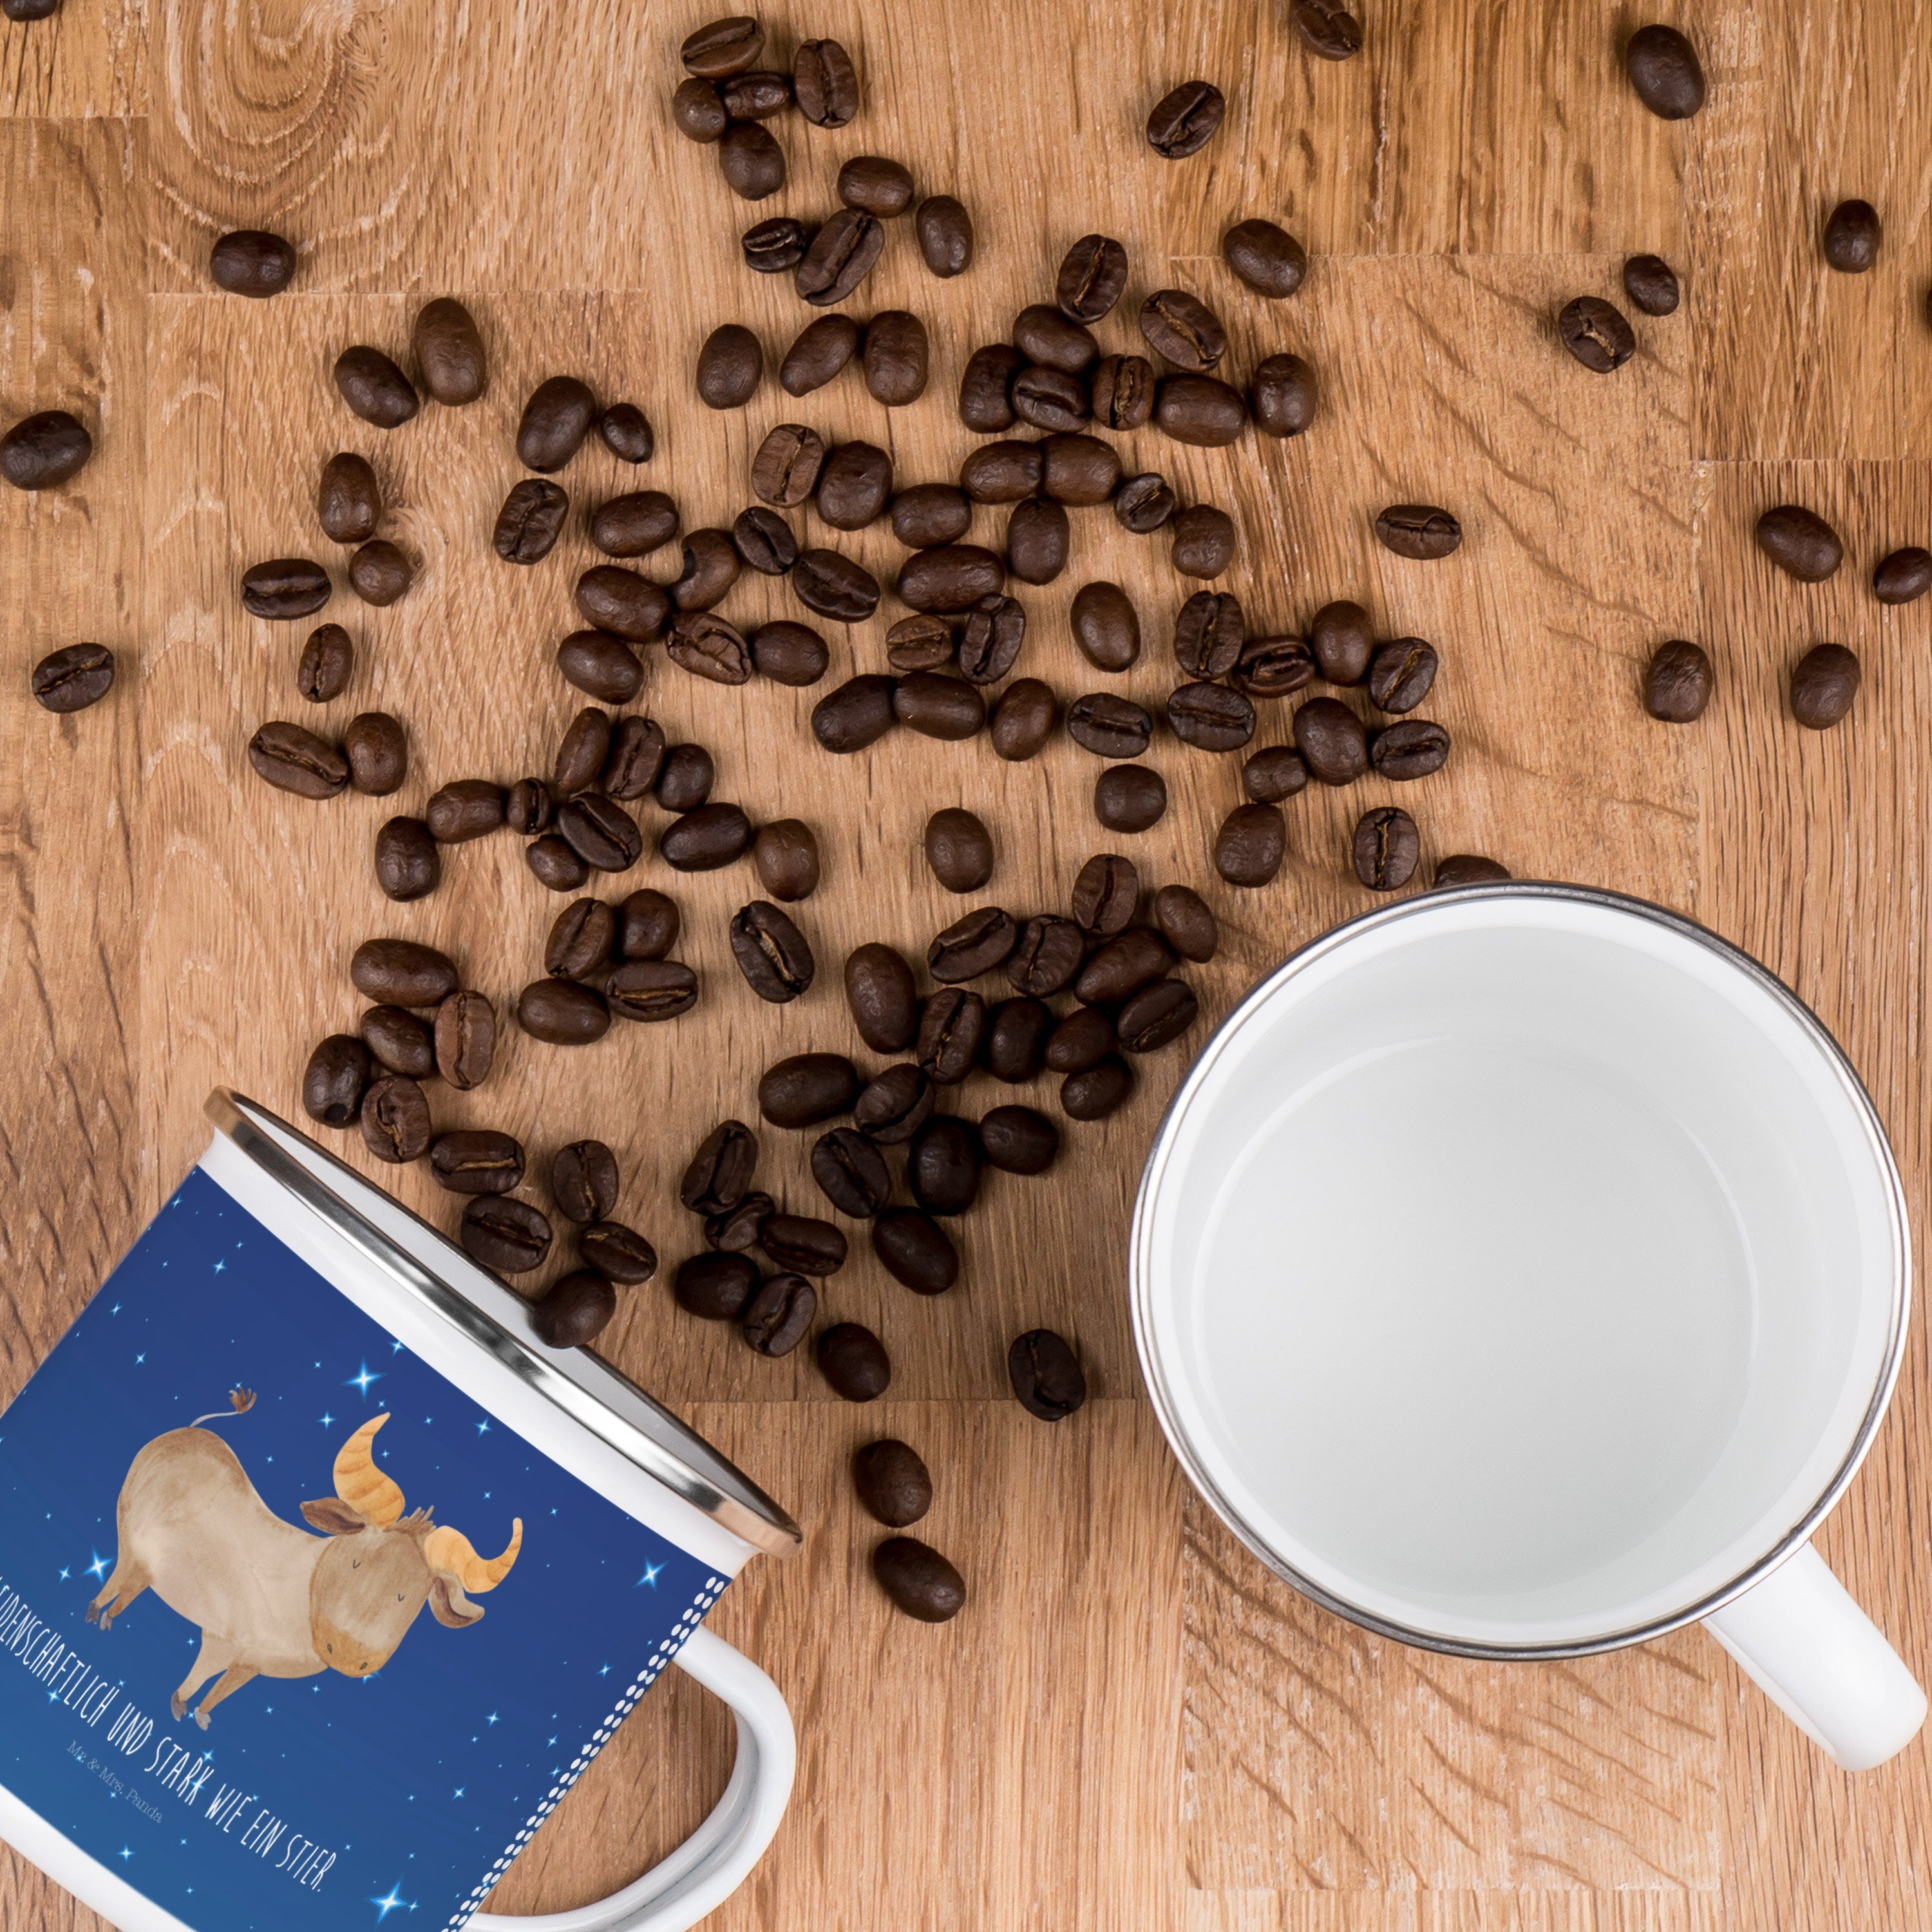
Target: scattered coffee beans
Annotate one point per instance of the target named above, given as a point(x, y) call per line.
point(1800, 542)
point(1046, 1374)
point(1385, 848)
point(1664, 70)
point(1677, 684)
point(72, 678)
point(1823, 683)
point(892, 1482)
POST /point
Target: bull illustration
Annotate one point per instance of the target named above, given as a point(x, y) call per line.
point(272, 1600)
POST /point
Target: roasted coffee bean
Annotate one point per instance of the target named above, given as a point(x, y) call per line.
point(399, 1041)
point(1092, 274)
point(477, 1160)
point(711, 566)
point(1106, 892)
point(801, 1244)
point(1342, 642)
point(1024, 719)
point(752, 163)
point(465, 809)
point(1418, 531)
point(1108, 726)
point(1823, 683)
point(1038, 540)
point(824, 83)
point(44, 450)
point(702, 643)
point(991, 638)
point(1106, 626)
point(1800, 542)
point(919, 1580)
point(1208, 633)
point(511, 1236)
point(697, 110)
point(1412, 749)
point(1677, 683)
point(730, 365)
point(408, 866)
point(555, 422)
point(581, 753)
point(375, 388)
point(1183, 121)
point(466, 1039)
point(327, 660)
point(348, 501)
point(1046, 337)
point(379, 573)
point(564, 1013)
point(650, 990)
point(853, 1360)
point(1210, 717)
point(286, 586)
point(1664, 69)
point(928, 514)
point(880, 990)
point(785, 470)
point(529, 524)
point(583, 1181)
point(1183, 330)
point(973, 945)
point(618, 1253)
point(333, 1080)
point(1098, 1090)
point(1045, 1372)
point(945, 232)
point(1852, 233)
point(1160, 1012)
point(1652, 284)
point(1332, 740)
point(896, 357)
point(716, 1286)
point(685, 777)
point(1282, 395)
point(600, 831)
point(1201, 410)
point(779, 1315)
point(842, 255)
point(1016, 1040)
point(1266, 258)
point(1047, 955)
point(631, 525)
point(917, 1251)
point(1596, 333)
point(722, 47)
point(892, 1482)
point(806, 1088)
point(1125, 964)
point(951, 1024)
point(1187, 922)
point(985, 404)
point(1385, 848)
point(1120, 394)
point(553, 864)
point(702, 841)
point(1049, 399)
point(1018, 1140)
point(1079, 470)
point(876, 185)
point(921, 643)
point(1204, 542)
point(755, 96)
point(1273, 774)
point(378, 752)
point(737, 1229)
point(720, 1172)
point(936, 706)
point(449, 353)
point(623, 602)
point(857, 714)
point(835, 586)
point(1401, 673)
point(395, 1119)
point(1130, 798)
point(1468, 868)
point(647, 925)
point(1904, 576)
point(1082, 1039)
point(74, 677)
point(774, 246)
point(1002, 471)
point(851, 1172)
point(293, 759)
point(1272, 667)
point(789, 653)
point(573, 1310)
point(643, 929)
point(581, 938)
point(854, 485)
point(247, 261)
point(786, 856)
point(1250, 845)
point(771, 951)
point(943, 1165)
point(626, 432)
point(600, 666)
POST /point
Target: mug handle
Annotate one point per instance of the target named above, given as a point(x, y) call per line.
point(712, 1863)
point(1822, 1662)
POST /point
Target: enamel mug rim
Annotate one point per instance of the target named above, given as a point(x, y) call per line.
point(1145, 1290)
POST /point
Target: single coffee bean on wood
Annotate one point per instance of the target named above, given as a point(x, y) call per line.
point(773, 248)
point(631, 525)
point(917, 1252)
point(684, 778)
point(476, 1160)
point(623, 602)
point(790, 653)
point(510, 1236)
point(1664, 70)
point(1596, 333)
point(1208, 634)
point(1038, 540)
point(251, 262)
point(852, 1172)
point(291, 759)
point(858, 713)
point(1014, 1041)
point(401, 973)
point(1024, 719)
point(553, 864)
point(1677, 682)
point(333, 1080)
point(449, 353)
point(408, 866)
point(1327, 28)
point(736, 1229)
point(1800, 542)
point(951, 1025)
point(936, 706)
point(600, 831)
point(1203, 542)
point(74, 677)
point(650, 990)
point(1082, 1039)
point(803, 1244)
point(348, 500)
point(1385, 848)
point(730, 365)
point(395, 1119)
point(1045, 336)
point(702, 643)
point(1047, 955)
point(755, 95)
point(723, 47)
point(1098, 1090)
point(1904, 576)
point(1468, 868)
point(1106, 894)
point(1418, 531)
point(1210, 717)
point(1275, 773)
point(991, 638)
point(1251, 844)
point(972, 946)
point(1109, 726)
point(877, 185)
point(751, 162)
point(581, 939)
point(1106, 626)
point(1411, 749)
point(466, 1039)
point(1046, 1374)
point(1050, 399)
point(1852, 233)
point(785, 855)
point(647, 924)
point(285, 586)
point(771, 953)
point(1183, 121)
point(855, 484)
point(600, 666)
point(825, 83)
point(1183, 330)
point(835, 586)
point(1125, 964)
point(618, 1253)
point(919, 1580)
point(43, 451)
point(884, 1000)
point(1002, 471)
point(704, 840)
point(374, 387)
point(328, 662)
point(583, 1181)
point(985, 402)
point(842, 254)
point(1332, 740)
point(805, 1088)
point(1202, 411)
point(943, 1163)
point(712, 565)
point(1652, 284)
point(945, 232)
point(562, 1013)
point(530, 521)
point(626, 432)
point(1093, 276)
point(1187, 922)
point(779, 1315)
point(895, 358)
point(1343, 642)
point(715, 1286)
point(1120, 393)
point(1824, 682)
point(720, 1172)
point(1282, 394)
point(556, 420)
point(853, 1360)
point(892, 1482)
point(1018, 1140)
point(1130, 798)
point(1079, 470)
point(926, 515)
point(463, 809)
point(697, 109)
point(581, 754)
point(1265, 256)
point(573, 1310)
point(1272, 667)
point(1401, 673)
point(399, 1041)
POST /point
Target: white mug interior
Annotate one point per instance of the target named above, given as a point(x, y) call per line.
point(1520, 1269)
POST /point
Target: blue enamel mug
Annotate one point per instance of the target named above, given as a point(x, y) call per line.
point(323, 1578)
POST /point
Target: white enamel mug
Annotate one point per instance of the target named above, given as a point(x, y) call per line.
point(1521, 1272)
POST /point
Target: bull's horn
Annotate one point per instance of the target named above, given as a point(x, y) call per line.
point(450, 1549)
point(360, 1483)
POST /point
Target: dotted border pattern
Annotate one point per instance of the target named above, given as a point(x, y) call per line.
point(674, 1642)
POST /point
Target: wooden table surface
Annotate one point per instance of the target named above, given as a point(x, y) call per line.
point(1132, 1723)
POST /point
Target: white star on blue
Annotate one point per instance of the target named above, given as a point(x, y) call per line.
point(126, 1852)
point(221, 1267)
point(327, 1420)
point(99, 1567)
point(361, 1380)
point(395, 1900)
point(652, 1572)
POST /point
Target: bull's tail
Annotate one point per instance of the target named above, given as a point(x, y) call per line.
point(240, 1401)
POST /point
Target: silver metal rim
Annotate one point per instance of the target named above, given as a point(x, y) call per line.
point(672, 1453)
point(1223, 1039)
